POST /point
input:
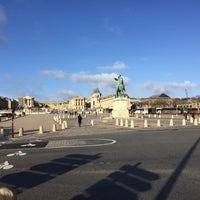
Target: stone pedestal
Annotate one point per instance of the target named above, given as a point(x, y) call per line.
point(120, 108)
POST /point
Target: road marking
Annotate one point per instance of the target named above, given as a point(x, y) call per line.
point(6, 165)
point(18, 153)
point(79, 143)
point(28, 145)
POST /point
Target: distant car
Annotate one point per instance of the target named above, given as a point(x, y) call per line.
point(9, 115)
point(139, 111)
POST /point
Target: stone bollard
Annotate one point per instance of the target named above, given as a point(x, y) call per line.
point(92, 122)
point(149, 116)
point(126, 123)
point(21, 132)
point(154, 116)
point(132, 124)
point(171, 122)
point(41, 130)
point(199, 120)
point(117, 122)
point(121, 122)
point(183, 122)
point(172, 116)
point(65, 123)
point(158, 123)
point(195, 122)
point(60, 121)
point(63, 126)
point(145, 123)
point(54, 129)
point(2, 131)
point(191, 120)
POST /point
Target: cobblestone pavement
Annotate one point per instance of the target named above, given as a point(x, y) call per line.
point(102, 124)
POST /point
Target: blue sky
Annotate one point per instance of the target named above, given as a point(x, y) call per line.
point(56, 49)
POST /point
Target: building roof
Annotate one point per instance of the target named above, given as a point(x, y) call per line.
point(158, 96)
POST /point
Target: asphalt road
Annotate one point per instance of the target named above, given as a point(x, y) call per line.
point(137, 165)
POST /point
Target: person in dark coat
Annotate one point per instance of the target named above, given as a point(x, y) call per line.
point(79, 120)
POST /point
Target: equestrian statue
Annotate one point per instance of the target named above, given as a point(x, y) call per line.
point(120, 88)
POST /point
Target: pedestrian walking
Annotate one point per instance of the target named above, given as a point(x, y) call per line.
point(79, 120)
point(193, 116)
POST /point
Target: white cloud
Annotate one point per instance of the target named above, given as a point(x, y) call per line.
point(103, 81)
point(54, 73)
point(118, 65)
point(169, 87)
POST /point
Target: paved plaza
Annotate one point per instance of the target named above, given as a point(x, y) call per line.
point(91, 125)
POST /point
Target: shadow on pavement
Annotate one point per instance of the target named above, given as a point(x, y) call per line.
point(124, 184)
point(165, 191)
point(41, 173)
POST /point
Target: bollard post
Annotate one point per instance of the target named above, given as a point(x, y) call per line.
point(41, 130)
point(183, 122)
point(2, 131)
point(117, 122)
point(191, 120)
point(21, 132)
point(158, 123)
point(145, 123)
point(92, 122)
point(171, 122)
point(65, 123)
point(121, 122)
point(132, 124)
point(195, 122)
point(54, 129)
point(126, 123)
point(63, 126)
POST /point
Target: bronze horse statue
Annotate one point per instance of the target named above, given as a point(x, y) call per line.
point(120, 88)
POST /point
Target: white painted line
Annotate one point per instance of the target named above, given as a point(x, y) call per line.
point(109, 142)
point(28, 145)
point(6, 165)
point(18, 153)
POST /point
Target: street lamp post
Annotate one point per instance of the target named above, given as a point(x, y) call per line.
point(13, 115)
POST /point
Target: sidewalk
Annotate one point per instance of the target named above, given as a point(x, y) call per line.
point(103, 124)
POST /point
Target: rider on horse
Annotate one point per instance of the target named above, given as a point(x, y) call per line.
point(120, 88)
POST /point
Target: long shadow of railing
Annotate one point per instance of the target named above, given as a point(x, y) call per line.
point(124, 184)
point(41, 173)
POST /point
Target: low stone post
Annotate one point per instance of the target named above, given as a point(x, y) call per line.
point(145, 123)
point(65, 123)
point(132, 124)
point(117, 122)
point(121, 122)
point(41, 130)
point(158, 123)
point(191, 120)
point(92, 122)
point(195, 122)
point(2, 131)
point(183, 122)
point(54, 129)
point(21, 132)
point(126, 123)
point(63, 126)
point(171, 122)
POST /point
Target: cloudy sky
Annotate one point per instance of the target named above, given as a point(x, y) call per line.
point(56, 49)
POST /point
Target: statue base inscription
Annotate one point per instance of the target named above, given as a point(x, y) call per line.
point(120, 108)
